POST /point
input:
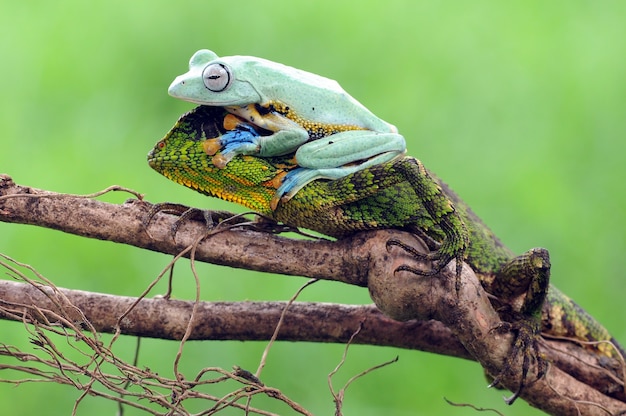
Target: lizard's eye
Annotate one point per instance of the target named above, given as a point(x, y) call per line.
point(216, 77)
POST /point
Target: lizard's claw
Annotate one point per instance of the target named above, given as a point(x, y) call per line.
point(168, 208)
point(444, 255)
point(185, 213)
point(526, 345)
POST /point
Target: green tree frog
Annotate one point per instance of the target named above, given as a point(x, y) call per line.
point(331, 133)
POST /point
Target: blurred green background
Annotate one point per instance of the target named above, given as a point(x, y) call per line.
point(518, 105)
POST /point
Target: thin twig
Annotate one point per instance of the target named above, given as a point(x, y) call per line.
point(112, 188)
point(278, 325)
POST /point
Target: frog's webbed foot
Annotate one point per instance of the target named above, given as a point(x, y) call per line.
point(291, 183)
point(524, 348)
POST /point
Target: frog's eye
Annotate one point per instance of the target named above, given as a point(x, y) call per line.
point(216, 77)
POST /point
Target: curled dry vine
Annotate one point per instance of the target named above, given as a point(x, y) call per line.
point(99, 371)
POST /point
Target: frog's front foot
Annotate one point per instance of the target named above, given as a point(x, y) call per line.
point(244, 139)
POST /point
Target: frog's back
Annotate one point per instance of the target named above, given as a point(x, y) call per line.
point(312, 96)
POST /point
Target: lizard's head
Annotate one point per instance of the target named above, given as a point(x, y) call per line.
point(185, 156)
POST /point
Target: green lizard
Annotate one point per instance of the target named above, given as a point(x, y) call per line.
point(397, 194)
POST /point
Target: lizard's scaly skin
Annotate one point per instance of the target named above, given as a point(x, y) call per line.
point(376, 197)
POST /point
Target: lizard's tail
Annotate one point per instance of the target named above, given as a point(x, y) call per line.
point(564, 317)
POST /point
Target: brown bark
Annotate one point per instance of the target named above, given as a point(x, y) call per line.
point(439, 317)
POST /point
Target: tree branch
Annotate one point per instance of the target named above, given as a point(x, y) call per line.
point(239, 248)
point(167, 319)
point(362, 260)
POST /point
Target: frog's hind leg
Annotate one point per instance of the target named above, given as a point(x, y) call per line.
point(297, 178)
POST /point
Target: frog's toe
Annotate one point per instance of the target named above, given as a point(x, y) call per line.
point(292, 183)
point(221, 160)
point(211, 146)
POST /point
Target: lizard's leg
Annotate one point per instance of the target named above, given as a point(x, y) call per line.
point(528, 273)
point(442, 211)
point(213, 218)
point(185, 213)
